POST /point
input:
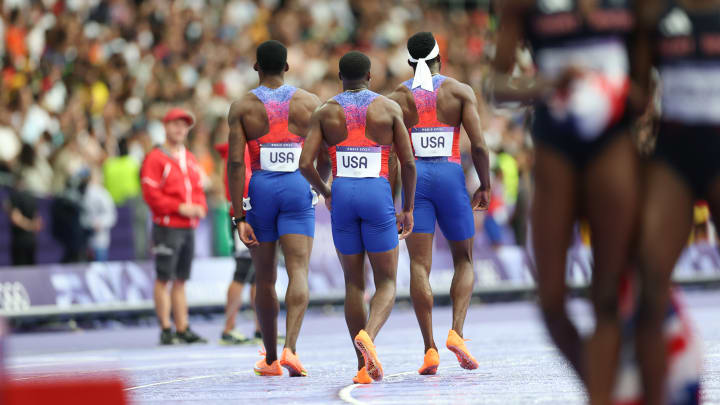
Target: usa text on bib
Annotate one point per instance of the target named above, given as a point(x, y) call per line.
point(432, 141)
point(358, 161)
point(280, 157)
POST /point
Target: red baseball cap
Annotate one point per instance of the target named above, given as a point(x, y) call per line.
point(178, 113)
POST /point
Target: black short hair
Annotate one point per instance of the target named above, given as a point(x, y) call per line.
point(123, 149)
point(272, 56)
point(354, 65)
point(421, 44)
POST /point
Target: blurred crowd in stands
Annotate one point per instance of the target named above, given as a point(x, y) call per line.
point(85, 84)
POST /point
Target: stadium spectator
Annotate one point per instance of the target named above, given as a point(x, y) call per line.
point(172, 187)
point(65, 212)
point(244, 270)
point(25, 224)
point(35, 171)
point(98, 217)
point(78, 76)
point(122, 180)
point(122, 175)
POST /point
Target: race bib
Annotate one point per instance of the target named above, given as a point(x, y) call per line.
point(280, 157)
point(433, 141)
point(358, 161)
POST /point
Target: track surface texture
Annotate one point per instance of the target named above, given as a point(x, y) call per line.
point(518, 365)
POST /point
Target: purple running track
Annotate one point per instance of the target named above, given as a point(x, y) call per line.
point(518, 365)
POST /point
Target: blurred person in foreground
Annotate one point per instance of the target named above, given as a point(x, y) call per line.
point(171, 184)
point(244, 270)
point(358, 128)
point(434, 108)
point(585, 166)
point(679, 38)
point(272, 121)
point(25, 223)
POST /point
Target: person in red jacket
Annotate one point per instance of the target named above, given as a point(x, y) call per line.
point(244, 270)
point(171, 185)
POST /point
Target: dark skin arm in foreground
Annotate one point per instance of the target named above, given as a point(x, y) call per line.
point(501, 86)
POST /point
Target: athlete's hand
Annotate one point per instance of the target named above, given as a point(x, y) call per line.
point(567, 77)
point(247, 235)
point(481, 200)
point(405, 223)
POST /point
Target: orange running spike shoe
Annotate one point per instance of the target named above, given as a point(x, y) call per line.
point(362, 377)
point(430, 363)
point(267, 370)
point(456, 344)
point(367, 348)
point(292, 364)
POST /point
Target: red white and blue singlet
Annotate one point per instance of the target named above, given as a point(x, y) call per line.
point(280, 197)
point(431, 138)
point(440, 195)
point(363, 213)
point(278, 150)
point(358, 156)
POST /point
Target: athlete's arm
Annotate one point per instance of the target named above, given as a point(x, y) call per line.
point(393, 171)
point(642, 56)
point(313, 144)
point(402, 96)
point(401, 143)
point(324, 167)
point(479, 150)
point(500, 86)
point(236, 170)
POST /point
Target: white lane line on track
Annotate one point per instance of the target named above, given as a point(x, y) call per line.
point(345, 394)
point(177, 380)
point(52, 361)
point(66, 372)
point(58, 362)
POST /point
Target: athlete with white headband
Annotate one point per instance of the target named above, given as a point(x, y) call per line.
point(423, 75)
point(434, 107)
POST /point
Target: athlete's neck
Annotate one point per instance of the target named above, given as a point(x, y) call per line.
point(355, 85)
point(434, 68)
point(271, 81)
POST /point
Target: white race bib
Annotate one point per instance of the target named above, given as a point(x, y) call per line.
point(432, 141)
point(358, 161)
point(280, 157)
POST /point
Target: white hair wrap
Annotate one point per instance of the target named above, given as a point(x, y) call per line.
point(423, 77)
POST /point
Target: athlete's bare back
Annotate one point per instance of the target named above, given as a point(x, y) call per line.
point(251, 113)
